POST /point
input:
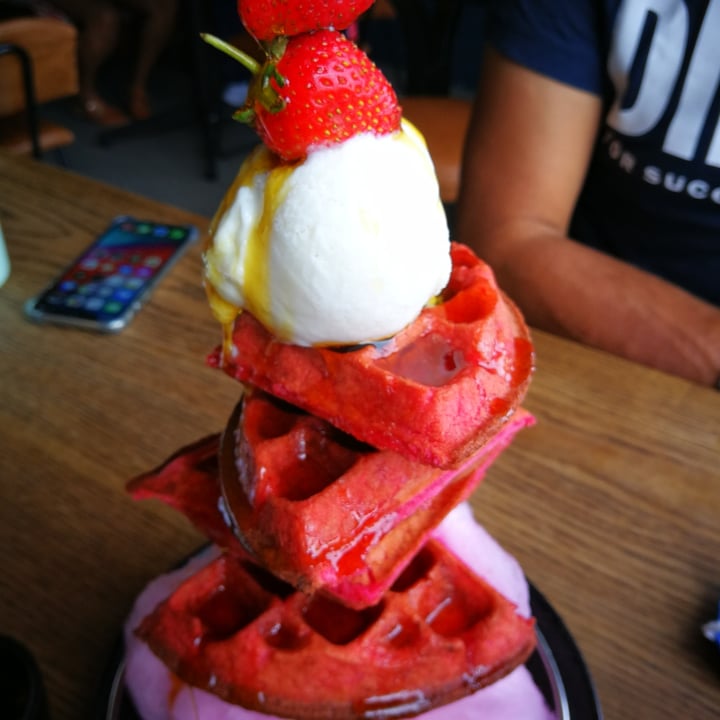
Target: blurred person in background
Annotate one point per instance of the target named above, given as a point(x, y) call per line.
point(591, 178)
point(99, 23)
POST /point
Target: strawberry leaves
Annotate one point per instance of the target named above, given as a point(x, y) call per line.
point(332, 91)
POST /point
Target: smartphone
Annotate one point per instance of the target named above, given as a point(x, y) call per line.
point(104, 287)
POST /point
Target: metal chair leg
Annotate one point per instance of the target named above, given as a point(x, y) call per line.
point(29, 90)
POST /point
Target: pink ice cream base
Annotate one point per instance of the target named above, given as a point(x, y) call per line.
point(157, 695)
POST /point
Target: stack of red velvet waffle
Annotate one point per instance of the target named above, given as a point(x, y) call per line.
point(330, 599)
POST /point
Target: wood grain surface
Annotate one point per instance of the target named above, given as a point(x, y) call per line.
point(611, 502)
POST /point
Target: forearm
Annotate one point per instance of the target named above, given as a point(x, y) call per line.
point(526, 157)
point(572, 290)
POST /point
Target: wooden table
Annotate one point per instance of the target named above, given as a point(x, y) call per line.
point(612, 502)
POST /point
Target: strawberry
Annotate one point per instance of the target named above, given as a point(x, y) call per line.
point(266, 20)
point(315, 90)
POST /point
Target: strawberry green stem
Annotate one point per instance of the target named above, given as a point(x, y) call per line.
point(243, 58)
point(261, 91)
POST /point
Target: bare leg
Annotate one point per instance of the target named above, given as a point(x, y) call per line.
point(157, 24)
point(97, 23)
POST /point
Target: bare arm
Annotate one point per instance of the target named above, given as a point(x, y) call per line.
point(527, 153)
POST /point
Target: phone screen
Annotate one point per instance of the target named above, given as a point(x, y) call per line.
point(105, 285)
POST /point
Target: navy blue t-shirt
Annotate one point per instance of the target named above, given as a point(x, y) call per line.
point(652, 195)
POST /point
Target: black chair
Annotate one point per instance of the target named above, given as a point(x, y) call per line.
point(37, 65)
point(430, 32)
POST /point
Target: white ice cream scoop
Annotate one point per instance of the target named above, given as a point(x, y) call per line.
point(346, 247)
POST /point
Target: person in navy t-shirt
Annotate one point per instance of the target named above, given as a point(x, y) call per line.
point(599, 120)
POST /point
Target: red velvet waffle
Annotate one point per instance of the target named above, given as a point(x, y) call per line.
point(434, 393)
point(439, 633)
point(189, 481)
point(324, 512)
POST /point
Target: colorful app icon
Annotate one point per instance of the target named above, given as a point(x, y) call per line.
point(94, 303)
point(123, 295)
point(113, 307)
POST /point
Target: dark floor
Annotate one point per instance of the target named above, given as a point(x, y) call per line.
point(164, 158)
